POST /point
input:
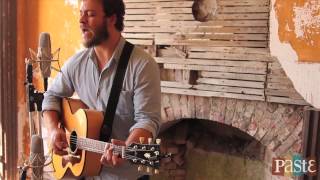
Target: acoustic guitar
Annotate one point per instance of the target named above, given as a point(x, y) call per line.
point(82, 127)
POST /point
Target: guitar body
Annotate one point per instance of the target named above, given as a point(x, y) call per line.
point(87, 123)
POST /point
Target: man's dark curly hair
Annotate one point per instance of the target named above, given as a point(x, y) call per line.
point(116, 7)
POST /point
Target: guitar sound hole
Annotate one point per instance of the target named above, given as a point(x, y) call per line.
point(73, 142)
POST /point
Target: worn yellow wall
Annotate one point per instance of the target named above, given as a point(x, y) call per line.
point(299, 25)
point(60, 19)
point(295, 41)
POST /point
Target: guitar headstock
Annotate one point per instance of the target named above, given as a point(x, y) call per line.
point(148, 155)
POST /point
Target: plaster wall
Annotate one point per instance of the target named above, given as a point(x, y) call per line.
point(60, 19)
point(294, 40)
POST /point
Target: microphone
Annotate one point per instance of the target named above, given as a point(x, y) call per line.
point(36, 159)
point(45, 56)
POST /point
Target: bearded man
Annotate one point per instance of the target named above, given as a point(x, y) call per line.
point(90, 74)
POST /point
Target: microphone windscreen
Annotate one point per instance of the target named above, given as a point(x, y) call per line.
point(45, 41)
point(36, 158)
point(44, 54)
point(36, 144)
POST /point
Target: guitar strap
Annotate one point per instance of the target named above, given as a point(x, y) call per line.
point(106, 128)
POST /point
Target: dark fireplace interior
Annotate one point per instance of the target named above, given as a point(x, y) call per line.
point(204, 149)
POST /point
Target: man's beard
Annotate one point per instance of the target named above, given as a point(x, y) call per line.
point(100, 34)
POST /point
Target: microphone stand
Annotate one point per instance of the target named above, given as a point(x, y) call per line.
point(45, 83)
point(34, 103)
point(34, 100)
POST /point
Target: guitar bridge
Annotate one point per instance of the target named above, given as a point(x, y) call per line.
point(71, 157)
point(74, 156)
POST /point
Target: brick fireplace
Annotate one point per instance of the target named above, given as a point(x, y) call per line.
point(252, 130)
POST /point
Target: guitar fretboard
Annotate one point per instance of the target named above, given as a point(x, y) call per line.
point(96, 146)
point(91, 145)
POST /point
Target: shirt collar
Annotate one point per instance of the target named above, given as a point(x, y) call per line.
point(118, 50)
point(115, 56)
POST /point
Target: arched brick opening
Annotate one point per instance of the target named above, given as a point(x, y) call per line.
point(198, 146)
point(253, 129)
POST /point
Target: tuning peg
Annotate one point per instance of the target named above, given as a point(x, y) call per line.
point(149, 140)
point(140, 168)
point(141, 139)
point(156, 171)
point(158, 141)
point(148, 170)
point(157, 153)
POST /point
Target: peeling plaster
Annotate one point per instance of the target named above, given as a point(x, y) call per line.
point(305, 76)
point(299, 25)
point(307, 18)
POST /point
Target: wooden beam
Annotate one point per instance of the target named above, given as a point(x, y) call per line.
point(168, 4)
point(289, 93)
point(234, 83)
point(249, 70)
point(218, 62)
point(189, 17)
point(141, 41)
point(271, 85)
point(130, 1)
point(210, 94)
point(174, 29)
point(243, 2)
point(221, 88)
point(182, 36)
point(175, 84)
point(286, 100)
point(244, 9)
point(239, 50)
point(229, 56)
point(223, 23)
point(238, 76)
point(217, 43)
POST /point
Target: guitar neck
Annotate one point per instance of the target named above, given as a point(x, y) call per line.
point(96, 146)
point(144, 154)
point(134, 153)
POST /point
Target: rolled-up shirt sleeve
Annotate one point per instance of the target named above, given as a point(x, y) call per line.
point(147, 98)
point(60, 87)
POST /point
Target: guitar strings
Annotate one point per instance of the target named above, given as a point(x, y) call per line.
point(117, 149)
point(75, 139)
point(126, 156)
point(102, 145)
